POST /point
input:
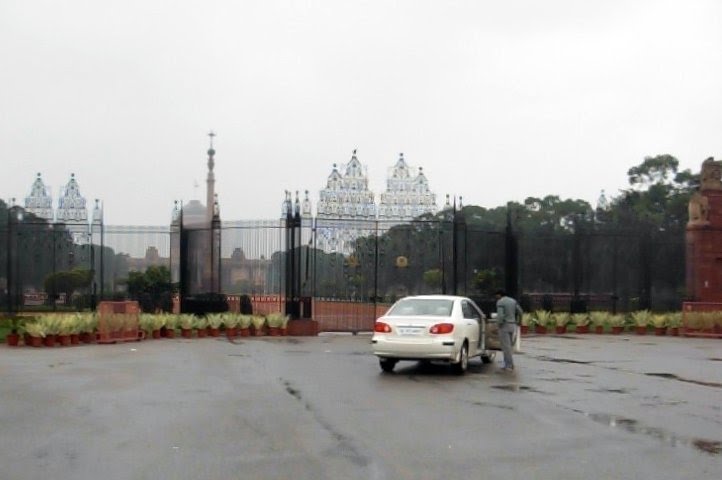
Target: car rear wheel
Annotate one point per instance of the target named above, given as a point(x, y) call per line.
point(387, 364)
point(463, 363)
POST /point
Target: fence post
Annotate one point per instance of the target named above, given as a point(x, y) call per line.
point(511, 261)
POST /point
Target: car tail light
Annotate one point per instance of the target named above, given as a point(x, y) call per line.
point(382, 327)
point(440, 328)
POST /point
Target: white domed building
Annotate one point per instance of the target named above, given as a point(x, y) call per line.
point(347, 208)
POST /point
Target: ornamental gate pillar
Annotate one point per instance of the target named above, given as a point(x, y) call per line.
point(704, 236)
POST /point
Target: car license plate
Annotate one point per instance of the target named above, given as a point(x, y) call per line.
point(410, 330)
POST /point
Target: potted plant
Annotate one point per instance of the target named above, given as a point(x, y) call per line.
point(13, 337)
point(186, 322)
point(75, 328)
point(641, 319)
point(561, 319)
point(259, 323)
point(617, 322)
point(215, 320)
point(581, 321)
point(201, 326)
point(244, 324)
point(158, 325)
point(674, 321)
point(527, 319)
point(171, 323)
point(660, 322)
point(147, 324)
point(275, 322)
point(36, 333)
point(599, 320)
point(51, 324)
point(87, 325)
point(543, 320)
point(231, 321)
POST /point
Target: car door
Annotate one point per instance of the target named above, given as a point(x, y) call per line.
point(481, 319)
point(472, 325)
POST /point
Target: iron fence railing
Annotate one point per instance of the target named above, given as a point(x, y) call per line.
point(58, 266)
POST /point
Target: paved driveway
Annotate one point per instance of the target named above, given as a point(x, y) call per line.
point(320, 408)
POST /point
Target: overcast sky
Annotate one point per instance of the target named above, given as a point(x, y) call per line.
point(497, 100)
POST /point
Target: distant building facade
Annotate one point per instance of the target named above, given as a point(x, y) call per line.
point(347, 208)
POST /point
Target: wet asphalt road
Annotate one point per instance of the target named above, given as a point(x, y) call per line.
point(592, 407)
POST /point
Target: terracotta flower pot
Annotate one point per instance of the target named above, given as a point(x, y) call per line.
point(170, 333)
point(186, 332)
point(674, 331)
point(524, 329)
point(202, 332)
point(12, 339)
point(582, 328)
point(74, 339)
point(231, 332)
point(49, 341)
point(274, 331)
point(617, 330)
point(36, 341)
point(156, 333)
point(640, 330)
point(562, 329)
point(660, 330)
point(245, 332)
point(599, 329)
point(215, 332)
point(540, 329)
point(86, 337)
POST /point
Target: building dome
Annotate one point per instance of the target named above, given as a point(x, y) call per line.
point(194, 214)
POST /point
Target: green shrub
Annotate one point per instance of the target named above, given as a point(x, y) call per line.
point(258, 321)
point(660, 320)
point(580, 319)
point(544, 318)
point(642, 318)
point(231, 320)
point(561, 319)
point(244, 321)
point(599, 319)
point(200, 323)
point(277, 320)
point(215, 320)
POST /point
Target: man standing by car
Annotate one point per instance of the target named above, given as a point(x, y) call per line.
point(507, 310)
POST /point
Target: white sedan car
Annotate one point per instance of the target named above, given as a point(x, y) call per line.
point(431, 327)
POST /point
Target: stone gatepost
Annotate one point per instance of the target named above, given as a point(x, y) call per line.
point(704, 237)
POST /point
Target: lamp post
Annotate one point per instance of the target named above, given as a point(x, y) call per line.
point(458, 227)
point(511, 264)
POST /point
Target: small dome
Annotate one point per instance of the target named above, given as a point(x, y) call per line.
point(194, 213)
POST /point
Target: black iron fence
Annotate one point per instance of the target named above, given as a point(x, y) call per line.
point(58, 266)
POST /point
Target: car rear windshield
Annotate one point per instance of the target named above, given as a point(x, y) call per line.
point(422, 306)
